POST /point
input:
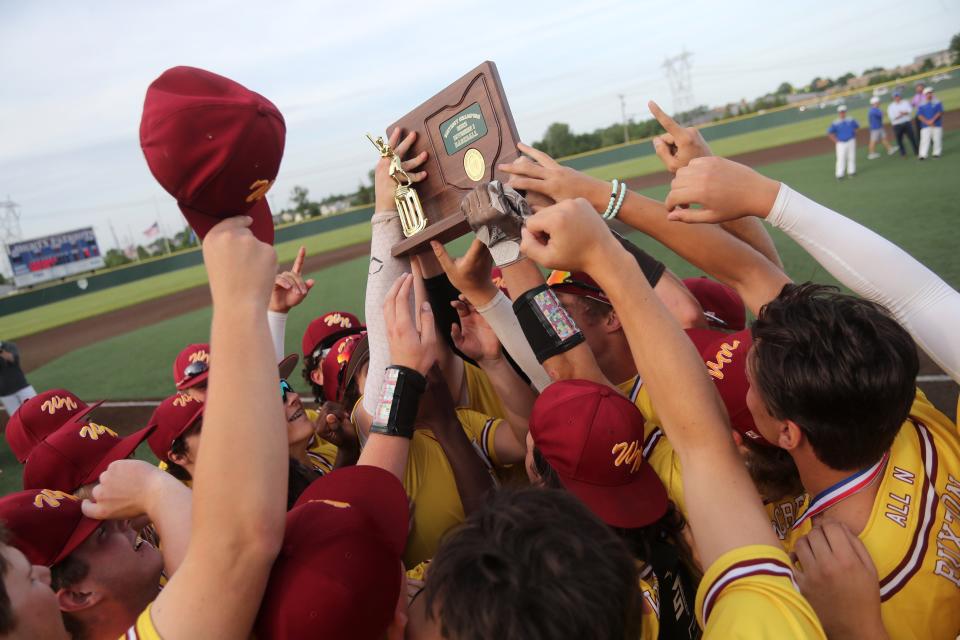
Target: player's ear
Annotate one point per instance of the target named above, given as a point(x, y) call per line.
point(177, 458)
point(317, 376)
point(612, 322)
point(790, 435)
point(75, 599)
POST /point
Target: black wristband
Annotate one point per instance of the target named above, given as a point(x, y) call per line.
point(546, 324)
point(651, 267)
point(398, 403)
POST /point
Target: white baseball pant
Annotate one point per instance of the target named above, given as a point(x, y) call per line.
point(928, 135)
point(846, 157)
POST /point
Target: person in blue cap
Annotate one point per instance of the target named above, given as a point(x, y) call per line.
point(843, 132)
point(900, 113)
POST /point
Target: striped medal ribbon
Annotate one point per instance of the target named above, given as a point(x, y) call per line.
point(843, 490)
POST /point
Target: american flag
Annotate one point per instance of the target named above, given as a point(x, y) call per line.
point(153, 230)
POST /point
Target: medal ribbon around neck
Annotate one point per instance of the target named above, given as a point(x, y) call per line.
point(843, 490)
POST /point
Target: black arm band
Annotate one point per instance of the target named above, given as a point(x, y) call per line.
point(441, 292)
point(546, 324)
point(399, 399)
point(651, 267)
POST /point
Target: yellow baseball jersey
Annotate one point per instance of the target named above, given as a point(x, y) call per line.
point(480, 393)
point(143, 628)
point(430, 483)
point(913, 533)
point(322, 454)
point(750, 592)
point(650, 623)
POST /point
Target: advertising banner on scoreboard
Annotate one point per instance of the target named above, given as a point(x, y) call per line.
point(51, 257)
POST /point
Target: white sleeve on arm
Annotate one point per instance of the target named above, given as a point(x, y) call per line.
point(878, 270)
point(278, 329)
point(500, 316)
point(383, 271)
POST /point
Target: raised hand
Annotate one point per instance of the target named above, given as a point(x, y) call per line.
point(570, 236)
point(473, 336)
point(725, 190)
point(125, 489)
point(383, 184)
point(469, 274)
point(409, 346)
point(551, 181)
point(240, 268)
point(838, 578)
point(679, 145)
point(289, 287)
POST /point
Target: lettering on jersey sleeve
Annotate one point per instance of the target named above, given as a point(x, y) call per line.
point(785, 515)
point(898, 509)
point(948, 538)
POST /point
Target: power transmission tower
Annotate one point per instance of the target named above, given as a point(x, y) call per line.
point(9, 230)
point(623, 115)
point(677, 69)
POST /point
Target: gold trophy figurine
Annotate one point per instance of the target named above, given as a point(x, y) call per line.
point(412, 218)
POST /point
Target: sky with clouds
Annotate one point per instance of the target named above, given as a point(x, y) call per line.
point(74, 76)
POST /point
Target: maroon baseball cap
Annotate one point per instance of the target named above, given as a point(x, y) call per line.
point(76, 454)
point(577, 283)
point(336, 363)
point(327, 329)
point(175, 415)
point(340, 566)
point(40, 416)
point(192, 366)
point(214, 145)
point(725, 355)
point(46, 525)
point(592, 436)
point(722, 305)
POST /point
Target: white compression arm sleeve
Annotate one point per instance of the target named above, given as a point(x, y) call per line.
point(500, 316)
point(383, 272)
point(278, 329)
point(878, 270)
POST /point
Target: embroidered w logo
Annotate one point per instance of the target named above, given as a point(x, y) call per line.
point(337, 319)
point(628, 453)
point(258, 189)
point(52, 498)
point(93, 431)
point(200, 356)
point(724, 356)
point(54, 404)
point(181, 400)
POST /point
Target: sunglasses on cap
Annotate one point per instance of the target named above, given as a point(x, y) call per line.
point(321, 354)
point(285, 388)
point(195, 369)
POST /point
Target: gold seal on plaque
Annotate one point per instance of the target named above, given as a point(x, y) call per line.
point(474, 165)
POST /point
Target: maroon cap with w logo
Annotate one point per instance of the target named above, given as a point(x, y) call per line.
point(214, 145)
point(40, 416)
point(593, 437)
point(45, 525)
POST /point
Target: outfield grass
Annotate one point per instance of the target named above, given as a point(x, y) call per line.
point(752, 141)
point(64, 312)
point(913, 203)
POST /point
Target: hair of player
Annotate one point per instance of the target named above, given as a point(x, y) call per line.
point(594, 309)
point(310, 364)
point(64, 575)
point(179, 447)
point(838, 366)
point(773, 471)
point(8, 619)
point(536, 564)
point(640, 540)
point(300, 477)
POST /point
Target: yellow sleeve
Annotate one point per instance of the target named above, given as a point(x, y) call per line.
point(480, 393)
point(650, 623)
point(143, 628)
point(481, 429)
point(750, 593)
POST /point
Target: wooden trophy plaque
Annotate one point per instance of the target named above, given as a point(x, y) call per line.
point(467, 129)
